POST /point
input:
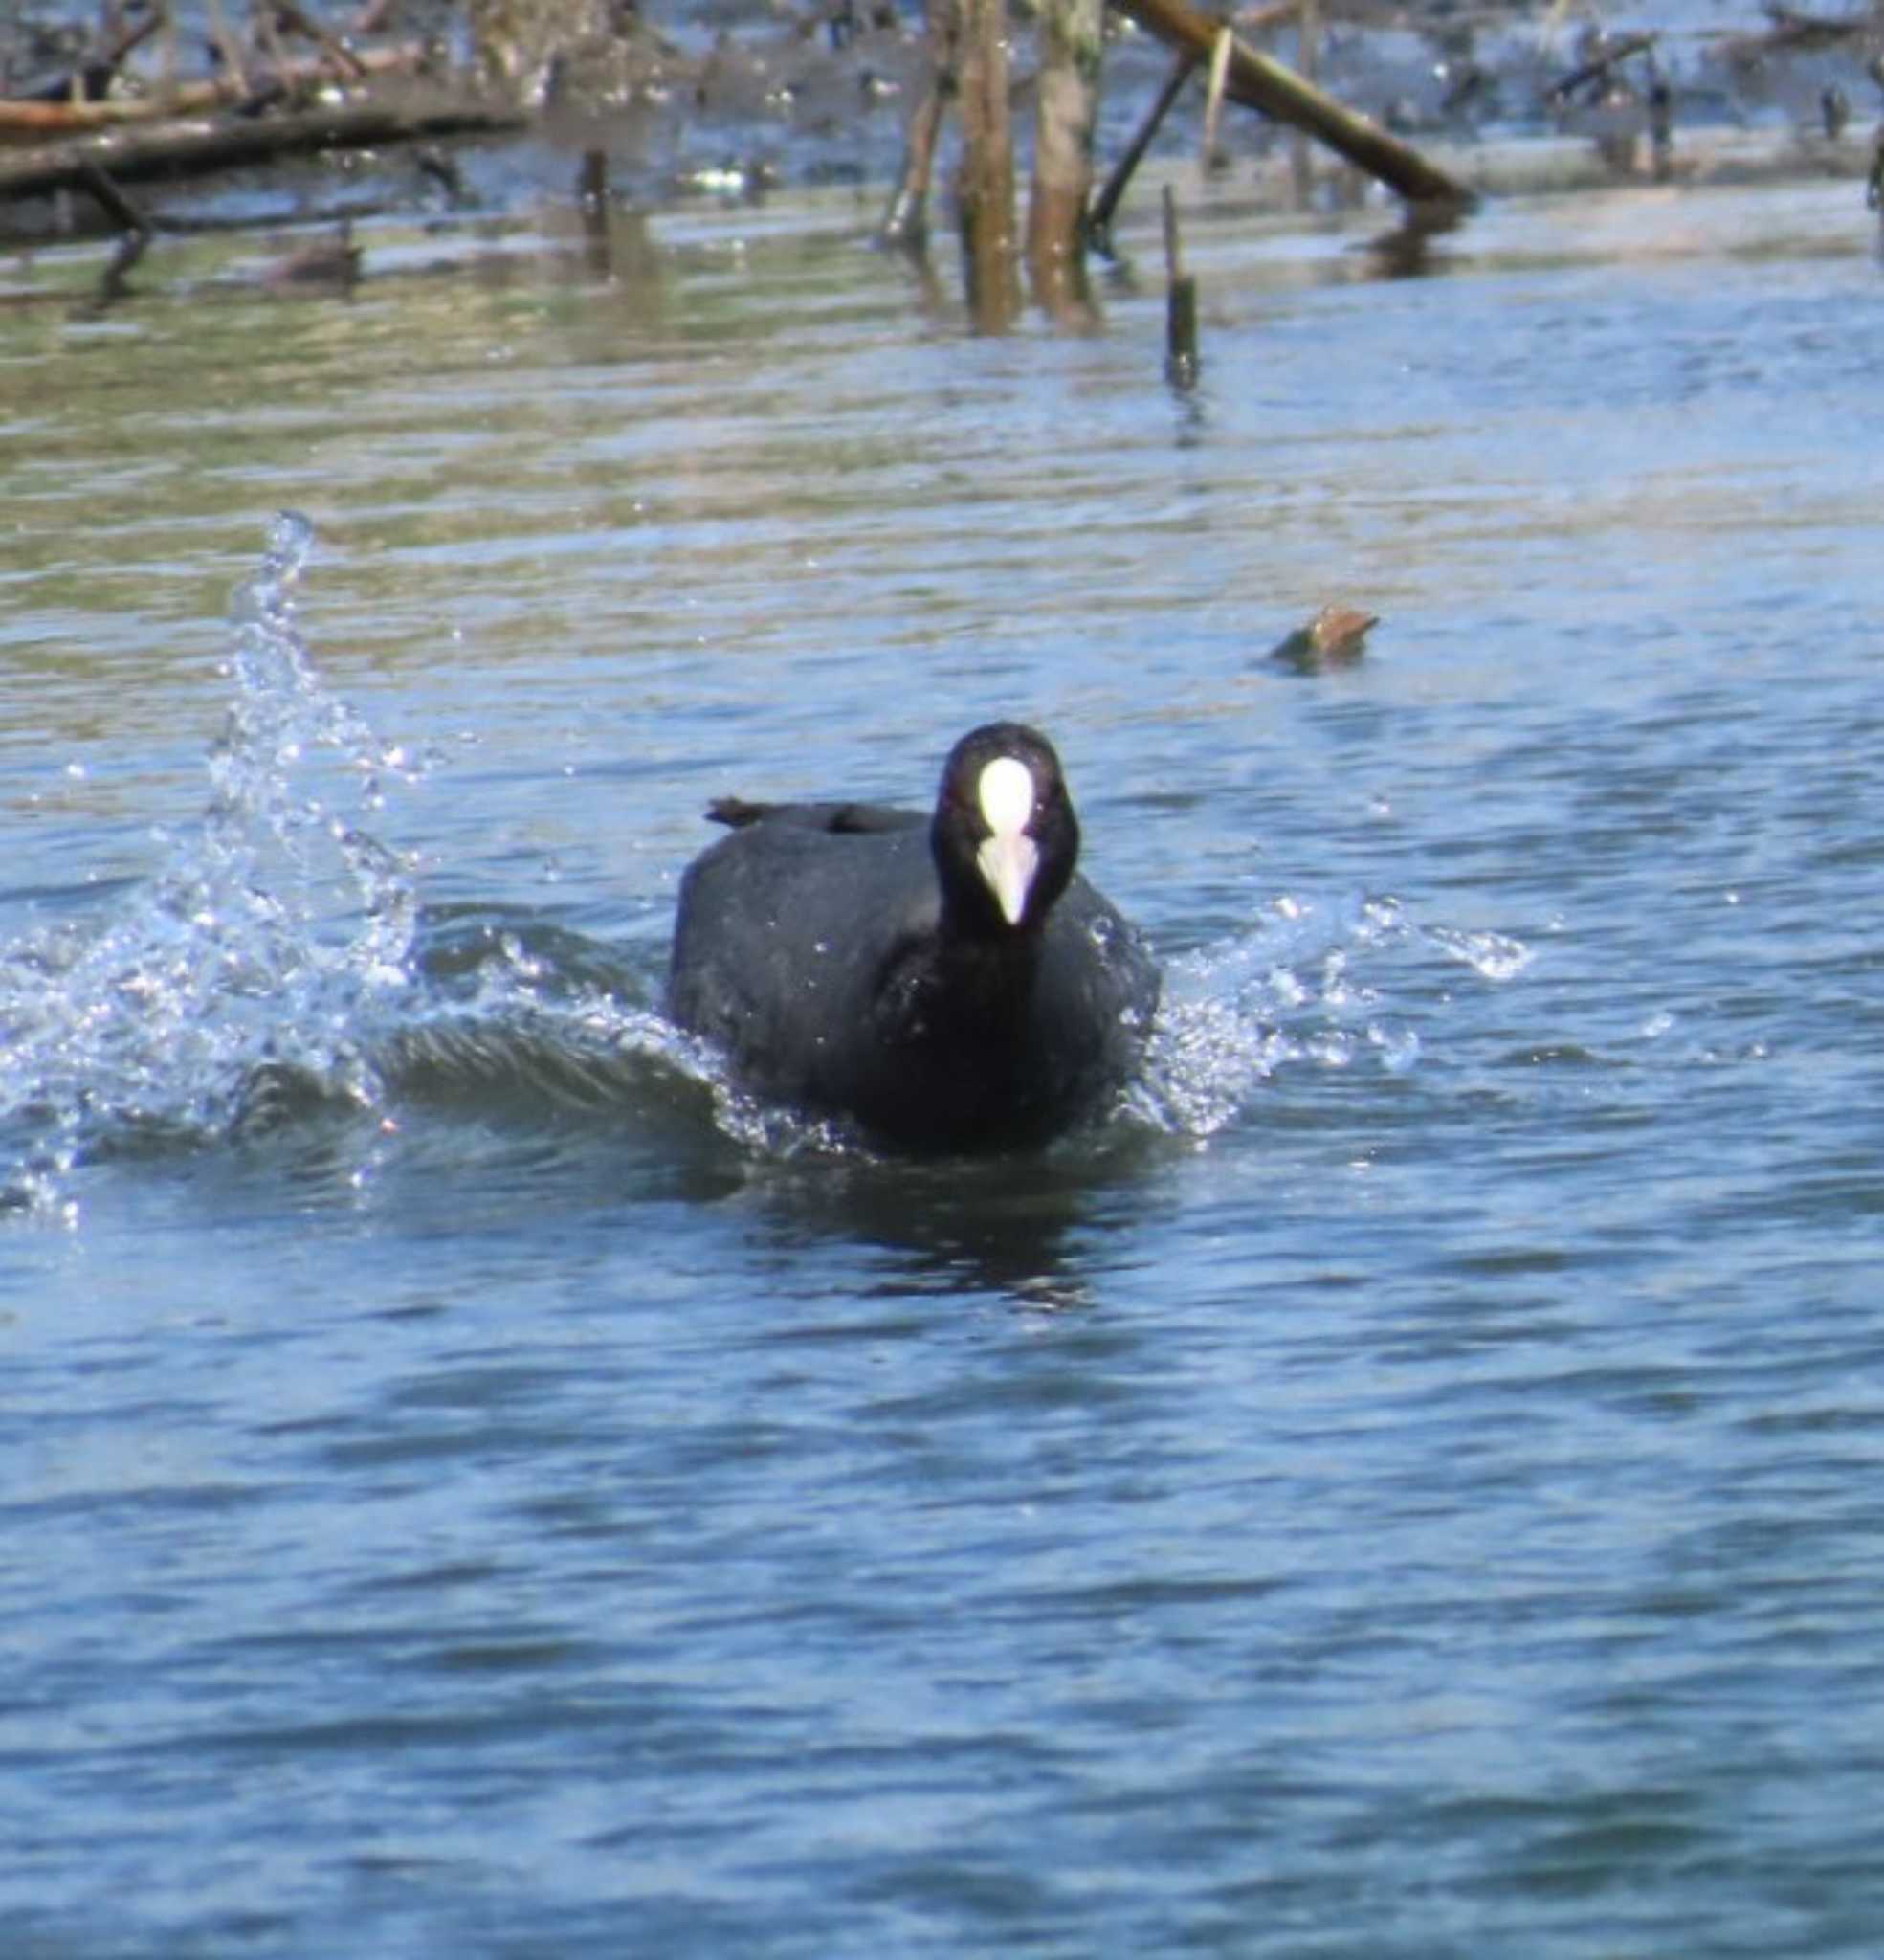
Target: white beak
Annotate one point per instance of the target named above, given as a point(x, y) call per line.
point(1007, 858)
point(1008, 861)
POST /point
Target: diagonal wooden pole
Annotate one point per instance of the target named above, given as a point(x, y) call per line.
point(1258, 83)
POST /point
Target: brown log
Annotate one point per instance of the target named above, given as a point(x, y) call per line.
point(197, 147)
point(37, 121)
point(1259, 82)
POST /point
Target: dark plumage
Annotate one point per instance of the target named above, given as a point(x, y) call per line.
point(949, 983)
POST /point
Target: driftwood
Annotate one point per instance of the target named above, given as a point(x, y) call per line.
point(38, 120)
point(1258, 83)
point(197, 147)
point(1334, 637)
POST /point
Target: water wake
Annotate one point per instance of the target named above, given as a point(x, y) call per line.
point(1292, 992)
point(281, 958)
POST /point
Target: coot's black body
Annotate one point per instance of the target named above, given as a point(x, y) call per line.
point(946, 982)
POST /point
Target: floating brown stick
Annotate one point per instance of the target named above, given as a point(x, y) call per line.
point(1333, 638)
point(1258, 83)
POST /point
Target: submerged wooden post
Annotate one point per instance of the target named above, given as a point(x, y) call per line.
point(1066, 113)
point(1179, 305)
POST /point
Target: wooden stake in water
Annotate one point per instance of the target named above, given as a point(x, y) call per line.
point(1212, 160)
point(1179, 305)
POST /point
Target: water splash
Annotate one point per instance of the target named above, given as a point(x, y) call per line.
point(274, 933)
point(1292, 991)
point(279, 957)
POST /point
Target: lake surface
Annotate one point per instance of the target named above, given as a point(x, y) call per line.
point(1408, 1484)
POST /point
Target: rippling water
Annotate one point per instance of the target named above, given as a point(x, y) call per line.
point(1403, 1486)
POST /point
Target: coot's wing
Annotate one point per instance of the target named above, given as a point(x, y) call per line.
point(781, 933)
point(840, 819)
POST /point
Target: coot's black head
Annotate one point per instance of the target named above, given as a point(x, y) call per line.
point(1005, 836)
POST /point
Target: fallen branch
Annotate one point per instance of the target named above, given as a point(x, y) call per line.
point(1098, 222)
point(36, 121)
point(1600, 64)
point(195, 148)
point(1258, 83)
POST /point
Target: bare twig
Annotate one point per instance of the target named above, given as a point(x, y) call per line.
point(291, 16)
point(1600, 64)
point(1099, 224)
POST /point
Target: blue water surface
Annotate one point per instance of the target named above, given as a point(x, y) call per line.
point(1408, 1484)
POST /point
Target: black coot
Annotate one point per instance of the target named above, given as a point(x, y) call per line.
point(949, 983)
